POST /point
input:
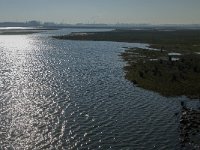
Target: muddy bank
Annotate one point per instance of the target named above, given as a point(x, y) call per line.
point(190, 127)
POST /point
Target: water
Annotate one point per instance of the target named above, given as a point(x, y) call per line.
point(57, 94)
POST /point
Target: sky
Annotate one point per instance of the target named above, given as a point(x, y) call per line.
point(102, 11)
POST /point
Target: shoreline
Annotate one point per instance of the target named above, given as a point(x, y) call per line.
point(152, 69)
point(170, 66)
point(22, 31)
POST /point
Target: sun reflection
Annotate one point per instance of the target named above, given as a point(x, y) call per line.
point(26, 92)
point(13, 42)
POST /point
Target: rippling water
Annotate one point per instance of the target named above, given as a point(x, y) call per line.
point(57, 94)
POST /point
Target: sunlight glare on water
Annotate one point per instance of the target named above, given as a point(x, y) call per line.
point(25, 100)
point(57, 94)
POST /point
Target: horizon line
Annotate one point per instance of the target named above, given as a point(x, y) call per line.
point(81, 23)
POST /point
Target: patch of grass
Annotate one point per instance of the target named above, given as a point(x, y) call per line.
point(170, 78)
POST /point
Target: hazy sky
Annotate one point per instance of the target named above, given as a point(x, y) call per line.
point(102, 11)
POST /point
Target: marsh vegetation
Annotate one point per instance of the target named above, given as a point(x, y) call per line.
point(153, 69)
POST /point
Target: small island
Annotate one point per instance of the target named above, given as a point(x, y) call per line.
point(169, 66)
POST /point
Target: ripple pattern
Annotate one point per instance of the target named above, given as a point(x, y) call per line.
point(58, 94)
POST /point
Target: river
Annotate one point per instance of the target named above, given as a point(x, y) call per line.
point(59, 94)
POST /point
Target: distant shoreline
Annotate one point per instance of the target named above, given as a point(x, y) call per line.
point(19, 31)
